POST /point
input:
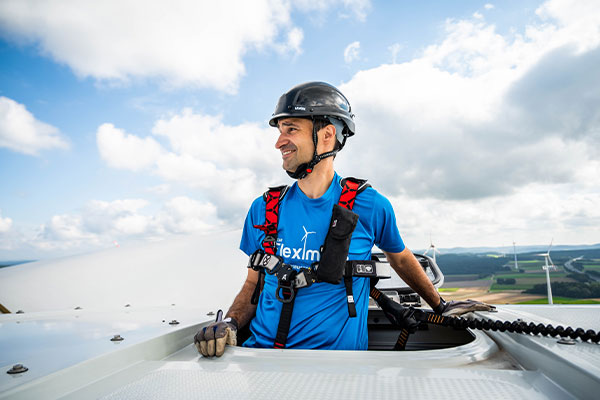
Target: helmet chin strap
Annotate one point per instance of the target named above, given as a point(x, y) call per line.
point(304, 169)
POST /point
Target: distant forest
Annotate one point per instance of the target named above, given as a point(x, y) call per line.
point(569, 289)
point(458, 264)
point(484, 265)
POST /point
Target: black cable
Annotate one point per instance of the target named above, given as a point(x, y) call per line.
point(503, 326)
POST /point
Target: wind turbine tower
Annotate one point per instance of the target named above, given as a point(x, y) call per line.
point(549, 264)
point(432, 248)
point(515, 251)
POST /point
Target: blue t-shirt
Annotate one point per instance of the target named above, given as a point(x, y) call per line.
point(320, 317)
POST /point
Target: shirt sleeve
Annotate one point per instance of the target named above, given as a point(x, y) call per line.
point(251, 236)
point(387, 236)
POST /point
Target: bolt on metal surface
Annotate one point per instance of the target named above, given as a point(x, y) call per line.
point(17, 369)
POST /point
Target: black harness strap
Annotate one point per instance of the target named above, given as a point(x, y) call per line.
point(285, 318)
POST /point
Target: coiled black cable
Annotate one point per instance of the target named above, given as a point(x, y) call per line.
point(514, 326)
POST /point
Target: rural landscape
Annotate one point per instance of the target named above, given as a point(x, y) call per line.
point(493, 277)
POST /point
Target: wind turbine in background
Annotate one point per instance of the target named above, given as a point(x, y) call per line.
point(546, 268)
point(515, 251)
point(432, 248)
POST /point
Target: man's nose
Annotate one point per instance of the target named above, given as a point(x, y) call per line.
point(281, 141)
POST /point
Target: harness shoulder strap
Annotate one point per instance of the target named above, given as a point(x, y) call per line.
point(273, 198)
point(351, 187)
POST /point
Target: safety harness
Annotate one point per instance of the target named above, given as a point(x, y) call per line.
point(333, 264)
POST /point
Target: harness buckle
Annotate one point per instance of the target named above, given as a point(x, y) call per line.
point(304, 278)
point(252, 261)
point(287, 290)
point(286, 275)
point(362, 268)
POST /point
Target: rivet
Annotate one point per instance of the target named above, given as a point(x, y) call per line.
point(117, 338)
point(17, 369)
point(566, 341)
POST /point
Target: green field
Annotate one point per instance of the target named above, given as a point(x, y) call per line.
point(592, 267)
point(561, 300)
point(450, 289)
point(460, 277)
point(526, 281)
point(501, 288)
point(532, 275)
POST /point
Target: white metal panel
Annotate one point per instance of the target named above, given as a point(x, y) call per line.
point(205, 270)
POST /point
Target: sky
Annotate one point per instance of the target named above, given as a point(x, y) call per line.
point(125, 122)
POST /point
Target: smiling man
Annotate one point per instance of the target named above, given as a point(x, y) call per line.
point(311, 243)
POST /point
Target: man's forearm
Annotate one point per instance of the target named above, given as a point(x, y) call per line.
point(242, 309)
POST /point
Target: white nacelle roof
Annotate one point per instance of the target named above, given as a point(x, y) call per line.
point(190, 270)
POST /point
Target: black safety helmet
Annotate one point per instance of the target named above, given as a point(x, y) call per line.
point(315, 100)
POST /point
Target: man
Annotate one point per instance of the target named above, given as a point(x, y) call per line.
point(314, 120)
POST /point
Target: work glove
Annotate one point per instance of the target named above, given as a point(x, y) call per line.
point(456, 308)
point(211, 340)
point(396, 313)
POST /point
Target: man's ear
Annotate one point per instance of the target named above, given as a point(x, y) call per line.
point(329, 137)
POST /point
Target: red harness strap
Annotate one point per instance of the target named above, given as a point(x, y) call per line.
point(272, 199)
point(350, 188)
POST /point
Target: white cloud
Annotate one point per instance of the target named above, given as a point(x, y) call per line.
point(481, 114)
point(488, 137)
point(100, 223)
point(20, 131)
point(182, 43)
point(161, 189)
point(394, 50)
point(351, 52)
point(294, 42)
point(121, 150)
point(533, 215)
point(488, 6)
point(227, 163)
point(5, 223)
point(185, 215)
point(357, 9)
point(185, 42)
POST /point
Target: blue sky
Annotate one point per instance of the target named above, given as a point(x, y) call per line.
point(479, 120)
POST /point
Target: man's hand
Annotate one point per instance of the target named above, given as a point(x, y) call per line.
point(456, 308)
point(211, 340)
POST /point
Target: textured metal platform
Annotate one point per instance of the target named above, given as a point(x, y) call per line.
point(190, 382)
point(158, 361)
